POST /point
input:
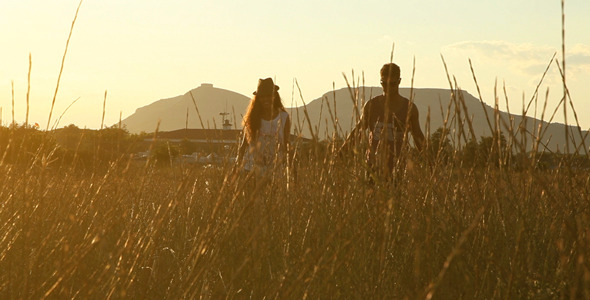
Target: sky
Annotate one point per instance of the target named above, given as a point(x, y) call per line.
point(140, 51)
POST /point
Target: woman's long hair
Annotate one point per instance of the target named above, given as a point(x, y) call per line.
point(253, 115)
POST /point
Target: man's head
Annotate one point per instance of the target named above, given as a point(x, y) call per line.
point(390, 76)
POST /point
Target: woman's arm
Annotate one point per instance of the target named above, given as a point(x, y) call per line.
point(419, 139)
point(291, 171)
point(242, 149)
point(287, 136)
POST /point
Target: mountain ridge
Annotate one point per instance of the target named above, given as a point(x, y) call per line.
point(334, 115)
point(172, 112)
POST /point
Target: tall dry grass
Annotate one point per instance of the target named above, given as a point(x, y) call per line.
point(443, 229)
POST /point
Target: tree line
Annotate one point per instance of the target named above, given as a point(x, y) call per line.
point(91, 147)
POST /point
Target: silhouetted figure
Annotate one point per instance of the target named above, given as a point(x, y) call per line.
point(388, 118)
point(266, 132)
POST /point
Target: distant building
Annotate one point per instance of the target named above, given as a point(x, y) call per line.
point(202, 136)
point(209, 140)
point(206, 140)
point(219, 141)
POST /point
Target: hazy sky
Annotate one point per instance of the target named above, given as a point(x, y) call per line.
point(141, 51)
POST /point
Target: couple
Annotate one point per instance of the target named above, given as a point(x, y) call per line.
point(387, 117)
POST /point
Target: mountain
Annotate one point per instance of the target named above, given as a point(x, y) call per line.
point(172, 112)
point(334, 114)
point(337, 107)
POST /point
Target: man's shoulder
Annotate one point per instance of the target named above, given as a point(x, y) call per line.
point(375, 102)
point(378, 98)
point(407, 103)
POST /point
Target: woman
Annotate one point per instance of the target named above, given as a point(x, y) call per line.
point(266, 131)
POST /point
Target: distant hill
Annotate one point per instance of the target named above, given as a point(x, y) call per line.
point(336, 110)
point(172, 112)
point(432, 104)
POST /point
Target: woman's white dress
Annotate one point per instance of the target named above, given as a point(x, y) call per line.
point(268, 150)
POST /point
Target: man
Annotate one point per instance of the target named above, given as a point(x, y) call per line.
point(388, 118)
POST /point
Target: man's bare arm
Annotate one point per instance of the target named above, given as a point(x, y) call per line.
point(352, 137)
